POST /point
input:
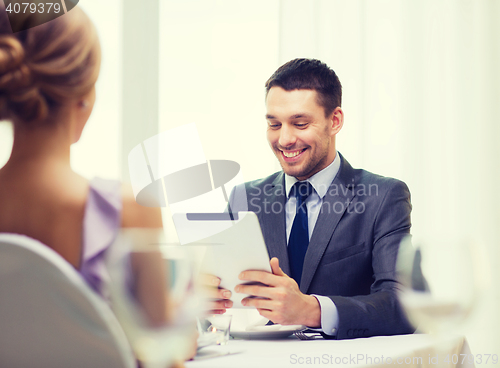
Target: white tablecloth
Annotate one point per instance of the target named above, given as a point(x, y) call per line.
point(416, 350)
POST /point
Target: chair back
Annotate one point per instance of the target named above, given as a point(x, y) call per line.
point(49, 316)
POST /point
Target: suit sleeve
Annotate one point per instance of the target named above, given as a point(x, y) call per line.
point(380, 312)
point(237, 199)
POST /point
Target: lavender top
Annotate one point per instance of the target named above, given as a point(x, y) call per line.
point(101, 223)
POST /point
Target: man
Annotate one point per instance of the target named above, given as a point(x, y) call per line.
point(332, 231)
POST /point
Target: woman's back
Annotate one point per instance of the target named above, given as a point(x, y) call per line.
point(76, 218)
point(47, 90)
point(45, 203)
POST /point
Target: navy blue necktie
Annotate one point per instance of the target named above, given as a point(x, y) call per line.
point(299, 236)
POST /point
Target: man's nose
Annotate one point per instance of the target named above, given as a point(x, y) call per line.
point(287, 137)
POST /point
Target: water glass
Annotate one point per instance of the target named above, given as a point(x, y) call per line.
point(214, 329)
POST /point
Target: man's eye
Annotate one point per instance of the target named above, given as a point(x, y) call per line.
point(274, 125)
point(300, 125)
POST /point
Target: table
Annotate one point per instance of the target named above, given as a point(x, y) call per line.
point(409, 351)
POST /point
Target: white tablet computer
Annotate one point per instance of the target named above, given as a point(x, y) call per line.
point(234, 243)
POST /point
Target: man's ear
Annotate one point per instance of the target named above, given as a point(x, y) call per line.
point(337, 120)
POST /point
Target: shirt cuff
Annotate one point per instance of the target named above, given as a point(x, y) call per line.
point(329, 315)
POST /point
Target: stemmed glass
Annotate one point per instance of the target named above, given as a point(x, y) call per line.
point(154, 295)
point(441, 282)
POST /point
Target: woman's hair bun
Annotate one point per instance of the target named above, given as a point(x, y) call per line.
point(11, 54)
point(45, 66)
point(17, 92)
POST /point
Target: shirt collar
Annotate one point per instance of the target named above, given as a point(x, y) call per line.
point(320, 181)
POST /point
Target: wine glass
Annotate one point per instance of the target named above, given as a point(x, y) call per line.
point(154, 296)
point(441, 282)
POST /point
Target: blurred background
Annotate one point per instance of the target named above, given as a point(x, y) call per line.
point(421, 97)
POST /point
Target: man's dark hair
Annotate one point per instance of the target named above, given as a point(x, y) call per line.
point(309, 74)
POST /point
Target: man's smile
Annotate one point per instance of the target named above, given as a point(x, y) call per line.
point(291, 156)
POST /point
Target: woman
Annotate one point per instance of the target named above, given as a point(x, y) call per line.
point(47, 90)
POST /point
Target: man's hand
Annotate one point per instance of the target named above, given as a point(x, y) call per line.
point(281, 301)
point(218, 298)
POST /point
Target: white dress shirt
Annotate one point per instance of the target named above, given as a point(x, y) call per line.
point(320, 181)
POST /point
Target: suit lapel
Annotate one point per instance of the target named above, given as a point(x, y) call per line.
point(274, 229)
point(335, 203)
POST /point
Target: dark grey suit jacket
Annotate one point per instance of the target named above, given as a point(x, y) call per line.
point(352, 253)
